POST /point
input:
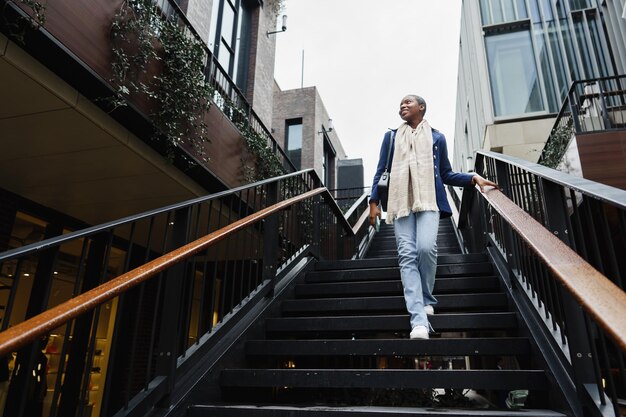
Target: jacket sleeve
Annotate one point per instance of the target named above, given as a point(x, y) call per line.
point(449, 177)
point(382, 160)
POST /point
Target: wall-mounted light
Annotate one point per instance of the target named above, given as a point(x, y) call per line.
point(327, 129)
point(283, 28)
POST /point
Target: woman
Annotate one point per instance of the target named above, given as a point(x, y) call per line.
point(416, 201)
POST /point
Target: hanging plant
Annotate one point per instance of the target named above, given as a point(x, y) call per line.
point(266, 164)
point(557, 144)
point(39, 12)
point(37, 18)
point(157, 59)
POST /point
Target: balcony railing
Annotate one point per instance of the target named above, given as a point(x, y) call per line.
point(183, 273)
point(590, 106)
point(560, 241)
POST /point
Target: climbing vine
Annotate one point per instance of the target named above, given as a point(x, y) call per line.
point(37, 18)
point(38, 9)
point(557, 144)
point(157, 59)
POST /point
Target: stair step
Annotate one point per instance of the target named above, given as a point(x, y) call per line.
point(391, 323)
point(385, 378)
point(392, 303)
point(450, 270)
point(394, 287)
point(384, 347)
point(356, 411)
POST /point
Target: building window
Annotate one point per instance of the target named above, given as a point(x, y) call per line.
point(293, 141)
point(229, 37)
point(547, 44)
point(500, 11)
point(510, 57)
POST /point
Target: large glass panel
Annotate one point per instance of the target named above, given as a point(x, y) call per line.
point(534, 11)
point(224, 56)
point(499, 11)
point(521, 10)
point(213, 27)
point(546, 70)
point(485, 13)
point(242, 48)
point(509, 11)
point(228, 23)
point(581, 4)
point(583, 47)
point(560, 9)
point(574, 68)
point(557, 59)
point(546, 9)
point(601, 56)
point(294, 142)
point(513, 74)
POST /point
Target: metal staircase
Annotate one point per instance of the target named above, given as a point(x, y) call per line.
point(339, 346)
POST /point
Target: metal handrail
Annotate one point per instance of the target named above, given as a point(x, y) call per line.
point(558, 243)
point(569, 122)
point(27, 331)
point(89, 231)
point(582, 280)
point(602, 192)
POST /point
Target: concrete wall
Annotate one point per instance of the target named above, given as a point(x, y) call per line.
point(522, 139)
point(263, 52)
point(307, 104)
point(473, 107)
point(199, 14)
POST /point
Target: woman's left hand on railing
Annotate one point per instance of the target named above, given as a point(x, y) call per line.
point(483, 182)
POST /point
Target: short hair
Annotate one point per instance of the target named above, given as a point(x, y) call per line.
point(419, 100)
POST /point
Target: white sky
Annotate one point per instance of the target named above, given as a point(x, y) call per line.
point(364, 56)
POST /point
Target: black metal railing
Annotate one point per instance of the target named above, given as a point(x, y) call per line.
point(346, 197)
point(589, 218)
point(590, 106)
point(136, 344)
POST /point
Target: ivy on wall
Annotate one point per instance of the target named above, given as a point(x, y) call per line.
point(36, 19)
point(38, 9)
point(157, 59)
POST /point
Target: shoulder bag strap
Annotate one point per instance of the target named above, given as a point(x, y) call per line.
point(393, 136)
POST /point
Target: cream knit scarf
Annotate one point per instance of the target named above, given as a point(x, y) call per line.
point(412, 180)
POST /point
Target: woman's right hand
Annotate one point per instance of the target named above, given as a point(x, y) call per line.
point(374, 212)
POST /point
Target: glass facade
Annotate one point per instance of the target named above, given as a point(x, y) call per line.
point(547, 44)
point(510, 57)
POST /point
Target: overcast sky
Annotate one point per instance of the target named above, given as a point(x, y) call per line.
point(364, 56)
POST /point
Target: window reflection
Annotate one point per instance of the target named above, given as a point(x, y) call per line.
point(294, 141)
point(510, 57)
point(547, 44)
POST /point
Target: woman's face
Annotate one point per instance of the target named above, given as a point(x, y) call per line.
point(410, 109)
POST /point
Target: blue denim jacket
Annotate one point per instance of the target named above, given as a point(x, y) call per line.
point(443, 172)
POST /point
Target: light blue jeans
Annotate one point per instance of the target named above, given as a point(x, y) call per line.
point(416, 238)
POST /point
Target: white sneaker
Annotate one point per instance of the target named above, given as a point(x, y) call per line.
point(429, 310)
point(419, 332)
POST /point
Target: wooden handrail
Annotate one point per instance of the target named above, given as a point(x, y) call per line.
point(359, 223)
point(586, 284)
point(19, 335)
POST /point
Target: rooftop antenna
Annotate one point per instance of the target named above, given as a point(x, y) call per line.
point(302, 73)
